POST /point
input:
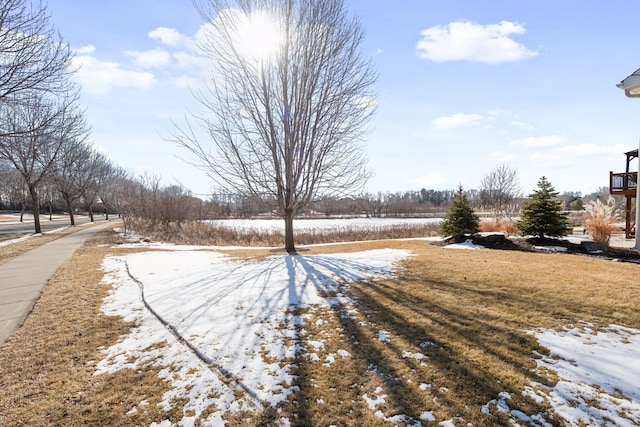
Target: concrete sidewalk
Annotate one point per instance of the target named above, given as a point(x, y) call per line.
point(23, 278)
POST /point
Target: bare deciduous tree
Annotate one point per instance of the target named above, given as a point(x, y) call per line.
point(13, 186)
point(374, 205)
point(39, 126)
point(498, 188)
point(112, 182)
point(33, 56)
point(285, 126)
point(97, 174)
point(74, 172)
point(37, 96)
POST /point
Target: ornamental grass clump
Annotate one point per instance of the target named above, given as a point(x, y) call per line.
point(602, 219)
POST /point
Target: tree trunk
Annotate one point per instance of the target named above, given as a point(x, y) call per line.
point(36, 209)
point(72, 218)
point(90, 214)
point(288, 233)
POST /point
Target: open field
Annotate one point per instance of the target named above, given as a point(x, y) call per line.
point(434, 336)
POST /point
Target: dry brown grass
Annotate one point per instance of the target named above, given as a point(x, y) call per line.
point(467, 311)
point(507, 227)
point(47, 366)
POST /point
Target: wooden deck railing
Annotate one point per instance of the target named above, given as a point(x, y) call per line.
point(623, 183)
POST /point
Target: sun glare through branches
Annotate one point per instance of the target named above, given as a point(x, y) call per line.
point(258, 35)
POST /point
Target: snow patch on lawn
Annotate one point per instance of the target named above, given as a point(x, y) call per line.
point(598, 378)
point(552, 248)
point(467, 244)
point(230, 320)
point(17, 240)
point(599, 374)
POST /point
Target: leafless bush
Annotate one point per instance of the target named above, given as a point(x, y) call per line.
point(146, 207)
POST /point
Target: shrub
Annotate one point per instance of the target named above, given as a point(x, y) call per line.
point(602, 218)
point(460, 219)
point(506, 227)
point(542, 216)
point(510, 228)
point(490, 226)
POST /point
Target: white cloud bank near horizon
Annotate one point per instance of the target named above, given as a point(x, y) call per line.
point(468, 41)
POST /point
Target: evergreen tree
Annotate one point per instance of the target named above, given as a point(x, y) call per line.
point(460, 219)
point(542, 216)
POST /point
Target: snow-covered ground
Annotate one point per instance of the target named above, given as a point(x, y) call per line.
point(231, 319)
point(228, 315)
point(16, 240)
point(325, 225)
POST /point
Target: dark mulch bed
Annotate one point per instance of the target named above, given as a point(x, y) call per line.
point(500, 242)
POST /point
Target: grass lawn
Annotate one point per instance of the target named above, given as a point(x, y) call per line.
point(470, 314)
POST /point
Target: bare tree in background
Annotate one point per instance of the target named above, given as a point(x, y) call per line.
point(112, 182)
point(74, 172)
point(37, 96)
point(96, 174)
point(39, 126)
point(285, 126)
point(33, 56)
point(498, 188)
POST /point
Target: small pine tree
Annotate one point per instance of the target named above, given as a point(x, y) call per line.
point(460, 219)
point(543, 215)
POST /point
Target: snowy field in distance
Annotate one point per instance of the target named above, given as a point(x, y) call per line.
point(316, 225)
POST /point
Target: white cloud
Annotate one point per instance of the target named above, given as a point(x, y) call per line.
point(551, 160)
point(86, 50)
point(502, 157)
point(99, 77)
point(468, 41)
point(186, 82)
point(432, 180)
point(182, 55)
point(457, 120)
point(155, 58)
point(189, 60)
point(522, 125)
point(171, 37)
point(541, 141)
point(583, 150)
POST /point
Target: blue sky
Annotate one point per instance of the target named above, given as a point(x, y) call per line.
point(463, 87)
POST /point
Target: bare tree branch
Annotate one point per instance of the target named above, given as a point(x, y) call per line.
point(33, 56)
point(498, 188)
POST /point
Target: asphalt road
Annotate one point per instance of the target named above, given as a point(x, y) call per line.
point(11, 229)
